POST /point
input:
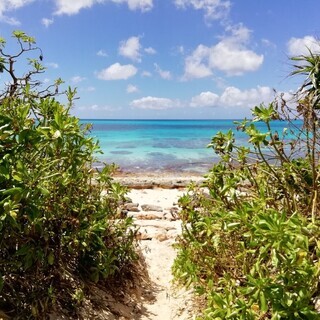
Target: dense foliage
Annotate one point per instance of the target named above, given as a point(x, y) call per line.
point(251, 237)
point(59, 219)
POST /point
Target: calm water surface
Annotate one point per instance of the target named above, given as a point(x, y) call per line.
point(155, 145)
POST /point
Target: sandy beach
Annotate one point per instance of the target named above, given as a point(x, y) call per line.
point(154, 207)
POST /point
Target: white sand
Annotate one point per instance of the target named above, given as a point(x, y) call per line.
point(169, 303)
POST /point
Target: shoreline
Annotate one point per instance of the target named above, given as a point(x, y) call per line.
point(160, 179)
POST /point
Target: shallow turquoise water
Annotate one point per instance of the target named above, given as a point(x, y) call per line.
point(154, 145)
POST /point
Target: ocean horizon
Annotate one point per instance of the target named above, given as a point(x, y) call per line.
point(163, 145)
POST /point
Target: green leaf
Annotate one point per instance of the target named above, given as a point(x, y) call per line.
point(18, 33)
point(263, 302)
point(94, 276)
point(57, 134)
point(44, 191)
point(4, 172)
point(13, 191)
point(218, 300)
point(23, 250)
point(1, 282)
point(51, 258)
point(233, 225)
point(28, 262)
point(2, 42)
point(17, 177)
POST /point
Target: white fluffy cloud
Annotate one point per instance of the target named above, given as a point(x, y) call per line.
point(73, 7)
point(155, 103)
point(98, 108)
point(164, 74)
point(205, 99)
point(131, 49)
point(196, 65)
point(300, 46)
point(77, 79)
point(232, 96)
point(233, 59)
point(142, 5)
point(102, 53)
point(46, 22)
point(150, 50)
point(132, 89)
point(213, 9)
point(52, 65)
point(117, 72)
point(90, 89)
point(230, 55)
point(146, 74)
point(10, 5)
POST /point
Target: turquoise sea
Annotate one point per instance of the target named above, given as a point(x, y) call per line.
point(156, 145)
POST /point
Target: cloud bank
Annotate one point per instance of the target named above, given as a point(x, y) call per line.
point(213, 9)
point(301, 46)
point(229, 98)
point(117, 72)
point(155, 103)
point(130, 48)
point(231, 55)
point(11, 5)
point(73, 7)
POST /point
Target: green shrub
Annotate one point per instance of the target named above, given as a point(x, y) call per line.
point(251, 239)
point(60, 224)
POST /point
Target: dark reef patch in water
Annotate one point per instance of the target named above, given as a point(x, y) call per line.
point(161, 145)
point(182, 144)
point(161, 156)
point(126, 146)
point(121, 152)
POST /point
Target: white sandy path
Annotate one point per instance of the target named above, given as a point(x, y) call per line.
point(170, 303)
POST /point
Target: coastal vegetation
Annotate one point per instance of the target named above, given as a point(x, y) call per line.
point(251, 239)
point(250, 244)
point(60, 225)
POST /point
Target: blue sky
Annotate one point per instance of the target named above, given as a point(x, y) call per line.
point(188, 59)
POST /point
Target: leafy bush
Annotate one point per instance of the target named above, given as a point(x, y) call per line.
point(59, 217)
point(251, 237)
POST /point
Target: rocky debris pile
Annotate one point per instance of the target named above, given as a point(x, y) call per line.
point(153, 219)
point(151, 181)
